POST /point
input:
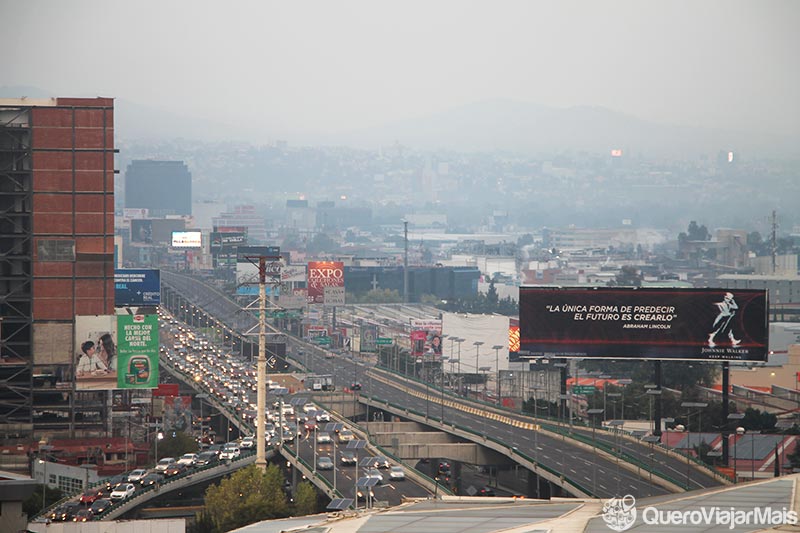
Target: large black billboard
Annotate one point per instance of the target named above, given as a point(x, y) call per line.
point(636, 323)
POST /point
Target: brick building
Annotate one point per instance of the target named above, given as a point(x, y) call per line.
point(56, 258)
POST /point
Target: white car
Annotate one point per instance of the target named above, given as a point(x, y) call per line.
point(308, 407)
point(137, 475)
point(396, 473)
point(247, 443)
point(375, 474)
point(324, 437)
point(189, 459)
point(123, 491)
point(323, 416)
point(165, 463)
point(230, 452)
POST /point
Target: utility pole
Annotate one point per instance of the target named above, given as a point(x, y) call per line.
point(261, 366)
point(405, 261)
point(774, 242)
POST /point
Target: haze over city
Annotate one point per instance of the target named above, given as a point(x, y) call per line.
point(361, 73)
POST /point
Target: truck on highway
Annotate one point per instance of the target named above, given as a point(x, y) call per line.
point(319, 383)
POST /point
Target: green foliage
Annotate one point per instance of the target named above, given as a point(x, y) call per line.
point(305, 499)
point(247, 496)
point(376, 296)
point(628, 276)
point(540, 407)
point(321, 243)
point(202, 523)
point(174, 446)
point(482, 304)
point(33, 504)
point(758, 420)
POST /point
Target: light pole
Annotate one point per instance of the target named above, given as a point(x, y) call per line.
point(739, 432)
point(477, 345)
point(687, 406)
point(593, 414)
point(652, 391)
point(731, 418)
point(497, 348)
point(459, 341)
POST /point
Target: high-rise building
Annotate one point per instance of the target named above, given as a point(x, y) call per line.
point(162, 187)
point(56, 257)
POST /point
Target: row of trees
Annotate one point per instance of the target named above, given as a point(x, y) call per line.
point(250, 495)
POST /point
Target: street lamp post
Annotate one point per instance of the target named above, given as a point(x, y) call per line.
point(739, 432)
point(731, 418)
point(477, 345)
point(497, 348)
point(459, 341)
point(652, 391)
point(687, 406)
point(593, 414)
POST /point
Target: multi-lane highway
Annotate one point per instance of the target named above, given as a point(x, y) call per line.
point(601, 473)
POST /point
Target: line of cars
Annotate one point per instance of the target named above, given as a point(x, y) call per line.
point(98, 499)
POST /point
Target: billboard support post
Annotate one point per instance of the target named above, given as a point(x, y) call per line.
point(657, 374)
point(725, 409)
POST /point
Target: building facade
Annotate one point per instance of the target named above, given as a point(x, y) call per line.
point(56, 256)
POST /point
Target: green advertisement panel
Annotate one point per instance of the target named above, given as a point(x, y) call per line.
point(137, 337)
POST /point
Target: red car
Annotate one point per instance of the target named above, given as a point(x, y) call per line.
point(91, 495)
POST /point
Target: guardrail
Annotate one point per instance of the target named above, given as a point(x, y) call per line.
point(195, 475)
point(511, 451)
point(560, 428)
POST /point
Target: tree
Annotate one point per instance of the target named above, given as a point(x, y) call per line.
point(248, 495)
point(491, 294)
point(758, 420)
point(33, 504)
point(174, 445)
point(628, 276)
point(321, 243)
point(305, 499)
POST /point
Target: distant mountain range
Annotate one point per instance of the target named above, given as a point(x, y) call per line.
point(482, 126)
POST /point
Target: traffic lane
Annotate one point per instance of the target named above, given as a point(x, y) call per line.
point(671, 466)
point(666, 464)
point(583, 466)
point(390, 491)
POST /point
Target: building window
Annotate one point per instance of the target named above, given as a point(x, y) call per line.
point(70, 485)
point(55, 249)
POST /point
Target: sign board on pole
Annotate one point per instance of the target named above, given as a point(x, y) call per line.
point(644, 323)
point(334, 296)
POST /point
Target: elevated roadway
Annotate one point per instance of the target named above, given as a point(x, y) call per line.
point(583, 462)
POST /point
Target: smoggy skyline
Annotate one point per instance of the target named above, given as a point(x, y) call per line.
point(311, 69)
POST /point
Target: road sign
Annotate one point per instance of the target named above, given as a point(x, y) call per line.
point(583, 389)
point(383, 341)
point(322, 340)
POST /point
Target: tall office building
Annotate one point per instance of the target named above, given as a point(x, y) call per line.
point(163, 187)
point(56, 258)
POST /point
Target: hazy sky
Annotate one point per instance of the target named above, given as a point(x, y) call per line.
point(298, 66)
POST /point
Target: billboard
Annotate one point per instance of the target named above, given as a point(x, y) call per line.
point(96, 352)
point(187, 239)
point(426, 337)
point(323, 274)
point(636, 323)
point(138, 351)
point(247, 269)
point(369, 339)
point(142, 231)
point(137, 287)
